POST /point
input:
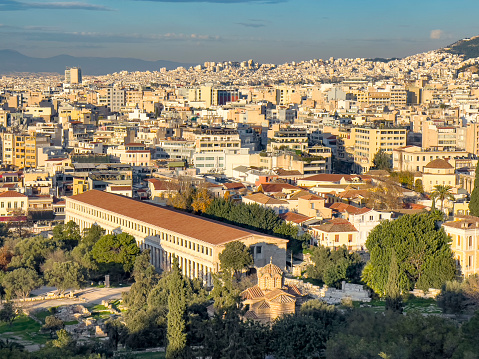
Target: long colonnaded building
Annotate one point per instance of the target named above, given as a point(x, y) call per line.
point(195, 240)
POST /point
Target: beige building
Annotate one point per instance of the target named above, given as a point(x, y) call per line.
point(196, 241)
point(368, 141)
point(336, 233)
point(11, 202)
point(438, 172)
point(465, 243)
point(415, 159)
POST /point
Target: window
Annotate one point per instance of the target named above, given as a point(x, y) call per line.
point(258, 249)
point(336, 238)
point(470, 242)
point(350, 238)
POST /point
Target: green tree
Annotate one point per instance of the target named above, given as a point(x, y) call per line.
point(225, 295)
point(474, 203)
point(52, 325)
point(332, 267)
point(64, 340)
point(116, 253)
point(8, 313)
point(316, 321)
point(176, 330)
point(65, 275)
point(442, 193)
point(382, 161)
point(393, 289)
point(145, 280)
point(418, 186)
point(235, 257)
point(32, 252)
point(21, 281)
point(67, 236)
point(82, 253)
point(423, 253)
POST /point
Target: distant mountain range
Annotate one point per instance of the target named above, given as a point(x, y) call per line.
point(468, 47)
point(13, 61)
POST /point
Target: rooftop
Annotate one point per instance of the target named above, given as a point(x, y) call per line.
point(206, 230)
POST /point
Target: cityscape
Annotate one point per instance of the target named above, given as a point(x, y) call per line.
point(280, 203)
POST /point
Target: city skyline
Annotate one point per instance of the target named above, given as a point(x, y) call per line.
point(271, 31)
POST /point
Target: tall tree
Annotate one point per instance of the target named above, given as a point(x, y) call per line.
point(474, 203)
point(235, 257)
point(442, 193)
point(393, 289)
point(423, 253)
point(176, 330)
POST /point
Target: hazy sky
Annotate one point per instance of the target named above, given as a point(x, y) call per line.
point(273, 31)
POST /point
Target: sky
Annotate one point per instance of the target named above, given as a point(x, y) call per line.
point(267, 31)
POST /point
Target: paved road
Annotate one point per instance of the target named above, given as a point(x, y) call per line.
point(87, 296)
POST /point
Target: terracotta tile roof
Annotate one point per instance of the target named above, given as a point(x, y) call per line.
point(294, 217)
point(283, 172)
point(312, 197)
point(158, 185)
point(467, 223)
point(344, 207)
point(264, 199)
point(279, 296)
point(354, 193)
point(11, 194)
point(233, 185)
point(206, 230)
point(439, 163)
point(336, 225)
point(252, 293)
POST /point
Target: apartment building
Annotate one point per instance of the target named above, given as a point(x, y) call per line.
point(368, 141)
point(112, 97)
point(20, 150)
point(73, 75)
point(295, 139)
point(169, 233)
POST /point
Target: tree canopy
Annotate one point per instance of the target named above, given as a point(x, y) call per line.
point(235, 257)
point(332, 267)
point(382, 161)
point(116, 252)
point(424, 256)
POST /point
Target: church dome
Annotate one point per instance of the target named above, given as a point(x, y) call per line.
point(270, 269)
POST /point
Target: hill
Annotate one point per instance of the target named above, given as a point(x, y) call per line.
point(467, 47)
point(13, 61)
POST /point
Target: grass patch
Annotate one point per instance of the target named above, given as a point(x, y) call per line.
point(25, 328)
point(422, 305)
point(71, 322)
point(41, 315)
point(148, 355)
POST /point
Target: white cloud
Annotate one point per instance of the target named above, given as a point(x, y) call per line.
point(436, 34)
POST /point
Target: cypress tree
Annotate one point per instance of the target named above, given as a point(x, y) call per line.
point(176, 329)
point(474, 203)
point(393, 290)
